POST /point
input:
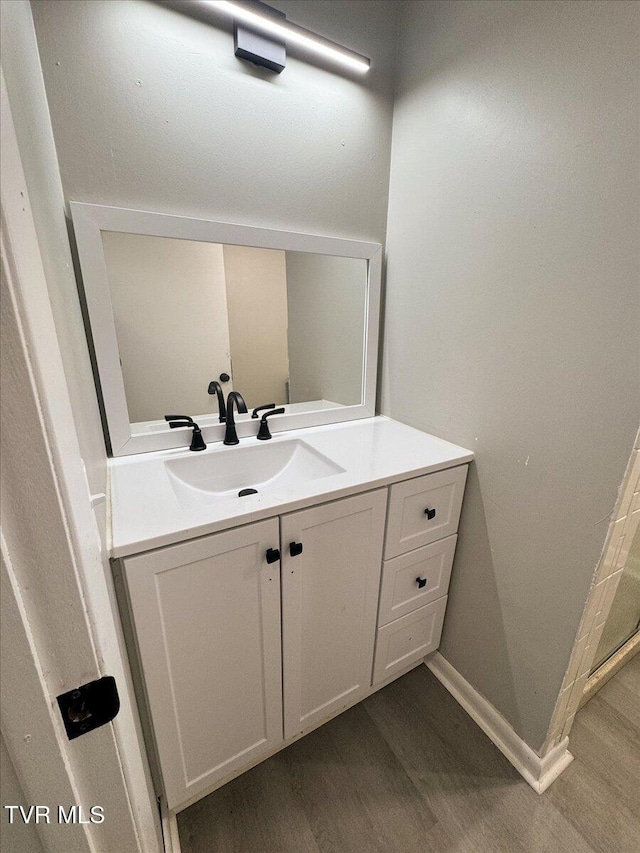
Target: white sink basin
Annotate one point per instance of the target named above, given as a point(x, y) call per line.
point(205, 478)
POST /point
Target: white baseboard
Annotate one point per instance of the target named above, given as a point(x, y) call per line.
point(169, 829)
point(538, 772)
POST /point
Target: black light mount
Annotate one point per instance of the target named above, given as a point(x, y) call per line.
point(262, 34)
point(267, 50)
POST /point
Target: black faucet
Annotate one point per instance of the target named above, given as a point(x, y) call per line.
point(263, 432)
point(230, 435)
point(176, 421)
point(215, 388)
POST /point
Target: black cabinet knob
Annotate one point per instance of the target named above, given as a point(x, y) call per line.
point(295, 548)
point(273, 555)
point(422, 582)
point(430, 513)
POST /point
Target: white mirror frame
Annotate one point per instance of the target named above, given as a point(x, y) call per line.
point(89, 220)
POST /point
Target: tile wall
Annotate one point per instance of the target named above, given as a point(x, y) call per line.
point(621, 531)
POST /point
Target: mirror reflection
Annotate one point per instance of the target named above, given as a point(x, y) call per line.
point(284, 327)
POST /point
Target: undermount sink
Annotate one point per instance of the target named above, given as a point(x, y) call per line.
point(222, 474)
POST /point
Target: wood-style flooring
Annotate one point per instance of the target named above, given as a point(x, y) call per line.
point(408, 771)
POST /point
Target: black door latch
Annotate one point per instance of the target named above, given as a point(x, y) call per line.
point(90, 706)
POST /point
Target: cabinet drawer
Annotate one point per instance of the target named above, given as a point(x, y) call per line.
point(401, 593)
point(424, 510)
point(408, 639)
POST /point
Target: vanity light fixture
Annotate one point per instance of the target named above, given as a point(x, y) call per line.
point(268, 22)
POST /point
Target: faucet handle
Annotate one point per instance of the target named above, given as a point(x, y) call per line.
point(177, 421)
point(263, 432)
point(254, 413)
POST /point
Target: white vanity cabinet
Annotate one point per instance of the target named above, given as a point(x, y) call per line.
point(251, 637)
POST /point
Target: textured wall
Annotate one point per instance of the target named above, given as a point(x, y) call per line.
point(512, 310)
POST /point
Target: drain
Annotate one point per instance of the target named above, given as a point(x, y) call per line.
point(244, 492)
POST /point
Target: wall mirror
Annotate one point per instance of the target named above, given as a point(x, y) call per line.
point(175, 303)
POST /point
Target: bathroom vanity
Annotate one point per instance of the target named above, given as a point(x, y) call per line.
point(264, 587)
point(258, 618)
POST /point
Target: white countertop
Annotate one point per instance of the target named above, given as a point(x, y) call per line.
point(146, 512)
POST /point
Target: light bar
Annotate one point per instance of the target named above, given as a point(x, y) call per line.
point(292, 34)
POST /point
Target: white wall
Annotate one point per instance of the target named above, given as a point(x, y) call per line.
point(151, 110)
point(512, 310)
point(257, 307)
point(169, 302)
point(326, 297)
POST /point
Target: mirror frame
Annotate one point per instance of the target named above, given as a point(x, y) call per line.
point(89, 220)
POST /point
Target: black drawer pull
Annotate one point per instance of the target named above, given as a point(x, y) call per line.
point(422, 582)
point(295, 548)
point(273, 555)
point(430, 513)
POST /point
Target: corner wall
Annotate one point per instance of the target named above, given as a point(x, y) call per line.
point(512, 311)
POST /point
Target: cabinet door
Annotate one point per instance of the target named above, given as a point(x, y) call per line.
point(207, 620)
point(329, 606)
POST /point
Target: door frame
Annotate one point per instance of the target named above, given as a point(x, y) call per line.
point(60, 626)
